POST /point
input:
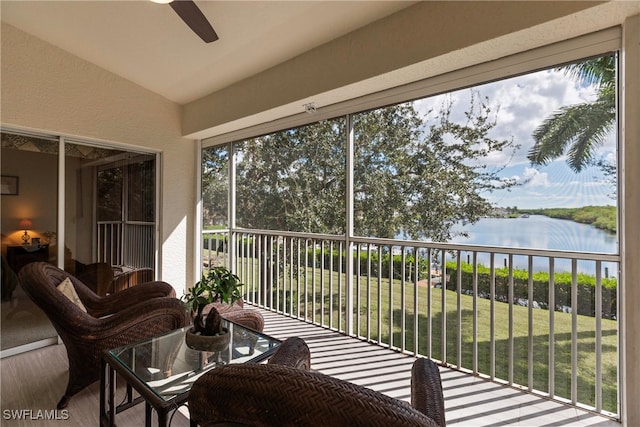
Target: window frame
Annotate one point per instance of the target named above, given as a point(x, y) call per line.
point(548, 56)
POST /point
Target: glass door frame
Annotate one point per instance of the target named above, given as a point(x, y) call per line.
point(61, 208)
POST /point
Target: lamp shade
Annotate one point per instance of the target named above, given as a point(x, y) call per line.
point(25, 224)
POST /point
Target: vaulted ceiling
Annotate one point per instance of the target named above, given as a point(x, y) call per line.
point(273, 57)
point(150, 45)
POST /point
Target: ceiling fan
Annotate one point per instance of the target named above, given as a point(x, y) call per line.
point(193, 17)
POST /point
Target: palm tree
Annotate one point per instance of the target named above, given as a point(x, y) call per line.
point(579, 129)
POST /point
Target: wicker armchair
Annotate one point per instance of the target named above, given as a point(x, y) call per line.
point(112, 321)
point(97, 276)
point(248, 318)
point(286, 395)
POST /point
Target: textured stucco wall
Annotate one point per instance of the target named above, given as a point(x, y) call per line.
point(45, 88)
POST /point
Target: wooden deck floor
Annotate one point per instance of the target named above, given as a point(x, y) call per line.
point(35, 381)
point(469, 400)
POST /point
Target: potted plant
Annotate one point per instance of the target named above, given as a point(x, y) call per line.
point(218, 285)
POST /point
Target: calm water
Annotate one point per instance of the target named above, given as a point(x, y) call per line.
point(541, 232)
point(538, 232)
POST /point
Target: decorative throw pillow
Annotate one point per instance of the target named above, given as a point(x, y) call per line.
point(66, 287)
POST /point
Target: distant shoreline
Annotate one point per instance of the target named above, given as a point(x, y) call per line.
point(602, 217)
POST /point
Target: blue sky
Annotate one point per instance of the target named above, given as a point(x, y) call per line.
point(521, 104)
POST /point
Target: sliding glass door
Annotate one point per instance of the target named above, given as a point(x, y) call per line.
point(110, 215)
point(29, 230)
point(87, 208)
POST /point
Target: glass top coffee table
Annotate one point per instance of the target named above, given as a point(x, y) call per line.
point(162, 369)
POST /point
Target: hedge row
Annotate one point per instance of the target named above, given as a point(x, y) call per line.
point(586, 284)
point(586, 287)
point(369, 263)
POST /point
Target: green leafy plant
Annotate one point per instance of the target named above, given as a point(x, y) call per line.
point(218, 285)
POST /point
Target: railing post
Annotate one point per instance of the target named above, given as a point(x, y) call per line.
point(552, 329)
point(459, 309)
point(530, 330)
point(443, 307)
point(574, 331)
point(510, 294)
point(492, 317)
point(320, 278)
point(475, 313)
point(598, 309)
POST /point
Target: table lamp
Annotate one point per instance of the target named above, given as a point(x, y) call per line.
point(25, 224)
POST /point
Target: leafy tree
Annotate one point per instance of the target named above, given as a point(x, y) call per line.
point(132, 178)
point(422, 178)
point(610, 172)
point(579, 129)
point(109, 194)
point(411, 175)
point(141, 186)
point(215, 185)
point(293, 180)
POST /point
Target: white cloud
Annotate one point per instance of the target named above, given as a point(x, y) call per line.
point(535, 178)
point(519, 105)
point(610, 157)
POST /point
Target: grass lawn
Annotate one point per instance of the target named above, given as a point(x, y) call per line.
point(311, 294)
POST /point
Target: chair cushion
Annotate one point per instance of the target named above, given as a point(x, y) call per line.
point(66, 287)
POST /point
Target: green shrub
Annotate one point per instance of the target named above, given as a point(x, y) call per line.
point(586, 287)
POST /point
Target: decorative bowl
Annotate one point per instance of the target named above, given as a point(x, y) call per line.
point(207, 342)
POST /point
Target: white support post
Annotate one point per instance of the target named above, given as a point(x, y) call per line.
point(349, 226)
point(231, 244)
point(197, 250)
point(60, 233)
point(629, 227)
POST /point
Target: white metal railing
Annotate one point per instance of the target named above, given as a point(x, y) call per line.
point(110, 242)
point(130, 244)
point(483, 310)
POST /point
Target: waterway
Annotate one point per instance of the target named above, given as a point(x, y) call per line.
point(541, 232)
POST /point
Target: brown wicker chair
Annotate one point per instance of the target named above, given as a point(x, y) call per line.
point(97, 276)
point(129, 278)
point(293, 352)
point(248, 318)
point(284, 395)
point(112, 321)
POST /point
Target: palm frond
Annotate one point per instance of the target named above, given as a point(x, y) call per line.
point(598, 71)
point(585, 124)
point(554, 134)
point(592, 135)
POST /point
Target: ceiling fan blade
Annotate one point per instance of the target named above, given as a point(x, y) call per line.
point(195, 19)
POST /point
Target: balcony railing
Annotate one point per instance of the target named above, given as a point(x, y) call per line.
point(130, 244)
point(544, 321)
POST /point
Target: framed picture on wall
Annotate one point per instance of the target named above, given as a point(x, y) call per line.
point(9, 185)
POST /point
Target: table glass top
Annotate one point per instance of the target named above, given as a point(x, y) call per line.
point(168, 367)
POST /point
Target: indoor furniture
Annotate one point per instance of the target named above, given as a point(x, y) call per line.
point(20, 255)
point(125, 277)
point(236, 312)
point(8, 280)
point(162, 369)
point(286, 396)
point(108, 322)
